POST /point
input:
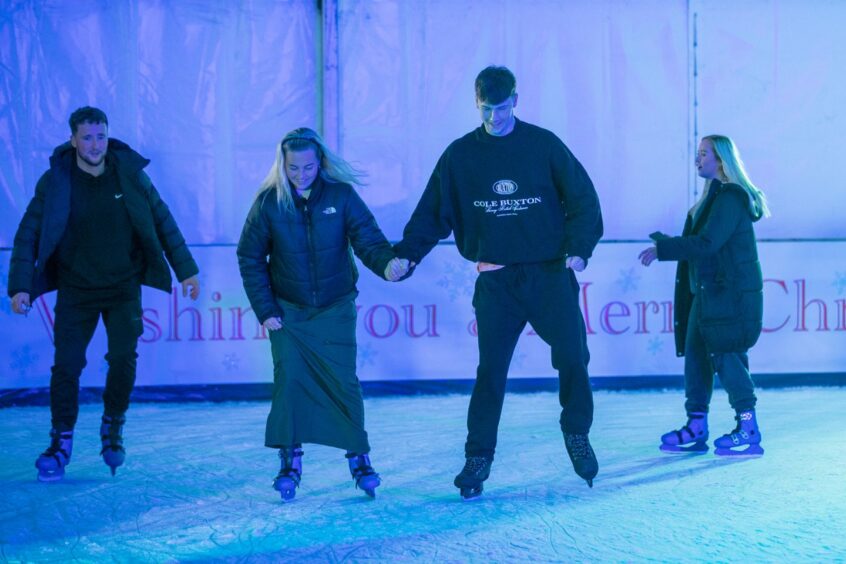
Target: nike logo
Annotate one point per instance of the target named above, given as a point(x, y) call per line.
point(118, 196)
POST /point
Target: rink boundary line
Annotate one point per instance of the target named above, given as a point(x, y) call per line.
point(217, 393)
point(601, 242)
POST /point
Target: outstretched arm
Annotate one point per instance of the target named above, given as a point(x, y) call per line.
point(431, 220)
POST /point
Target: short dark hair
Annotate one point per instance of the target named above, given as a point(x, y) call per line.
point(495, 84)
point(86, 114)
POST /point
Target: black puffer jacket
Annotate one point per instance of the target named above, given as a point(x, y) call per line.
point(33, 264)
point(304, 257)
point(721, 252)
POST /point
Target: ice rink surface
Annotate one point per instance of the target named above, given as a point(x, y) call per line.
point(196, 487)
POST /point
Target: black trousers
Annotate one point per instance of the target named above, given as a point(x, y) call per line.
point(545, 295)
point(700, 367)
point(76, 316)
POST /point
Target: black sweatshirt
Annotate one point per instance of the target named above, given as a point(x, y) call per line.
point(99, 248)
point(520, 198)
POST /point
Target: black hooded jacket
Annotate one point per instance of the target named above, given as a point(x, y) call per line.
point(33, 267)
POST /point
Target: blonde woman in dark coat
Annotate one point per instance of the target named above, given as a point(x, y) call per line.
point(296, 261)
point(718, 305)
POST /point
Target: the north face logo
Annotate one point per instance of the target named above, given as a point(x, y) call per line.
point(505, 187)
point(330, 210)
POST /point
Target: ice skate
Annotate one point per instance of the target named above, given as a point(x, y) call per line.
point(470, 481)
point(290, 472)
point(111, 438)
point(582, 456)
point(363, 474)
point(745, 440)
point(692, 438)
point(51, 464)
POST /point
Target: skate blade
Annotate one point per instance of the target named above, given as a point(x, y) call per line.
point(48, 477)
point(697, 448)
point(751, 451)
point(469, 494)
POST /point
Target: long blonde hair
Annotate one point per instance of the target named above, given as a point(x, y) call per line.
point(732, 170)
point(332, 167)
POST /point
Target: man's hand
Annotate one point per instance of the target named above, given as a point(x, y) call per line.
point(272, 323)
point(192, 286)
point(397, 268)
point(21, 303)
point(648, 255)
point(576, 263)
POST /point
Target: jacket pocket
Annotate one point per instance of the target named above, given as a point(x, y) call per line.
point(730, 319)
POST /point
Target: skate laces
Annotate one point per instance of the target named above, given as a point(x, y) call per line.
point(112, 439)
point(56, 446)
point(578, 446)
point(475, 465)
point(362, 465)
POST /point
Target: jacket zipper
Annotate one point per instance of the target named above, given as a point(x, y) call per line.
point(311, 258)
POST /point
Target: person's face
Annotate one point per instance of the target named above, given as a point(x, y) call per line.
point(498, 118)
point(91, 142)
point(301, 167)
point(707, 164)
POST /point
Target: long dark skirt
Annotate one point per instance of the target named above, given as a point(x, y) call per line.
point(316, 393)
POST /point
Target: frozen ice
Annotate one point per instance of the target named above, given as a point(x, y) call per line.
point(197, 486)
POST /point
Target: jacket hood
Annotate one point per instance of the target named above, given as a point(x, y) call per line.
point(126, 158)
point(740, 191)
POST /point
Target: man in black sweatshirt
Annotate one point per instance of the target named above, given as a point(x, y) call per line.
point(523, 208)
point(96, 230)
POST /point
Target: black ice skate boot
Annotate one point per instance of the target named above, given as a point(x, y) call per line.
point(745, 440)
point(582, 456)
point(692, 437)
point(51, 464)
point(363, 474)
point(111, 438)
point(290, 472)
point(470, 481)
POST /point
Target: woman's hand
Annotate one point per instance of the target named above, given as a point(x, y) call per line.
point(272, 323)
point(648, 255)
point(575, 263)
point(397, 268)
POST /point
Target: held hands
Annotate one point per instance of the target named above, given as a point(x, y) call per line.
point(272, 323)
point(397, 268)
point(648, 255)
point(576, 263)
point(192, 286)
point(21, 303)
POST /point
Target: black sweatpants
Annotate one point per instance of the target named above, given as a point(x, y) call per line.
point(76, 316)
point(545, 295)
point(700, 367)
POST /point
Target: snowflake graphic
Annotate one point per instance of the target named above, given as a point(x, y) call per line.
point(366, 356)
point(231, 361)
point(656, 345)
point(22, 360)
point(457, 280)
point(840, 282)
point(628, 280)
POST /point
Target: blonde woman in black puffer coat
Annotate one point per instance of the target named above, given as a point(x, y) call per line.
point(718, 306)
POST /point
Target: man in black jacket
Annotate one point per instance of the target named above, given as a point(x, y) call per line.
point(96, 230)
point(524, 209)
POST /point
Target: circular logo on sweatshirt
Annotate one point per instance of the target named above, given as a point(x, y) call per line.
point(505, 187)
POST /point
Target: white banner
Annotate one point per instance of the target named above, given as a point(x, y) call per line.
point(424, 328)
